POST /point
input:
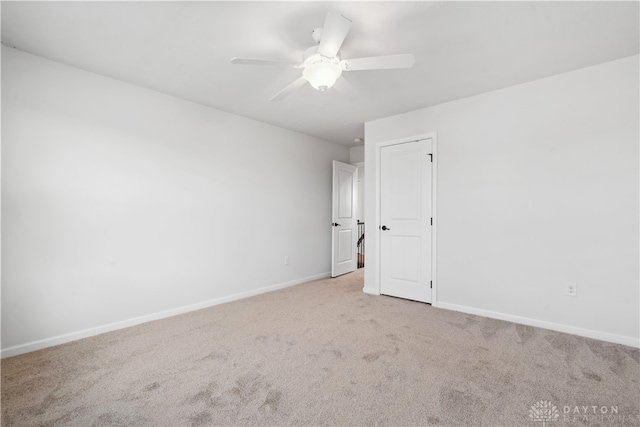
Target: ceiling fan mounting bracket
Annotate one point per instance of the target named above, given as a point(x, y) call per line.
point(316, 34)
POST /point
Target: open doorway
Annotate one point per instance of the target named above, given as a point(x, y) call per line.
point(348, 222)
point(356, 158)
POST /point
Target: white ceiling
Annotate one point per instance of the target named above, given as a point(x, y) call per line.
point(461, 49)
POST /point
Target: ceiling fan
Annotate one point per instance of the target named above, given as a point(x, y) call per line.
point(321, 64)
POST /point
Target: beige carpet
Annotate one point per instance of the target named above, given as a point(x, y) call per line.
point(324, 353)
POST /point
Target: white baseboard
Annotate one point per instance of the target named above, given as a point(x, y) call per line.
point(589, 333)
point(370, 291)
point(73, 336)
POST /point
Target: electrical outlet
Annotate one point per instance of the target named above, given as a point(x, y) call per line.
point(287, 260)
point(571, 289)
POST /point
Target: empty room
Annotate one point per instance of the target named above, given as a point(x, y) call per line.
point(404, 213)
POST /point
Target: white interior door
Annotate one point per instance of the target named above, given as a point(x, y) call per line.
point(343, 235)
point(405, 214)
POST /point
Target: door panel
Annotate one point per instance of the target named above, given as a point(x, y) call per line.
point(405, 212)
point(405, 186)
point(405, 259)
point(345, 239)
point(343, 235)
point(346, 196)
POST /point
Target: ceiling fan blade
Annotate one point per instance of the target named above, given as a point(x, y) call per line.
point(296, 84)
point(334, 32)
point(344, 88)
point(245, 61)
point(378, 62)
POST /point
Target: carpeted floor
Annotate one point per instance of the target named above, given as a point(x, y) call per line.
point(324, 353)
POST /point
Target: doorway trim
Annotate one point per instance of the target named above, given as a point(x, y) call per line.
point(434, 207)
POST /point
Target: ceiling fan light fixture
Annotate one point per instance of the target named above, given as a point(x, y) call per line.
point(322, 74)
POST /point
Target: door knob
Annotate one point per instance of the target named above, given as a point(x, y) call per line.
point(335, 224)
point(384, 228)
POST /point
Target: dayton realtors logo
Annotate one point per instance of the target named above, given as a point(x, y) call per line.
point(544, 411)
point(597, 414)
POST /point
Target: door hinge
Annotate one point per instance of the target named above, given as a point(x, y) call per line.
point(431, 220)
point(431, 157)
point(431, 284)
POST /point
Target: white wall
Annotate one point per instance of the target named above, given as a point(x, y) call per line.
point(356, 154)
point(537, 186)
point(120, 204)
